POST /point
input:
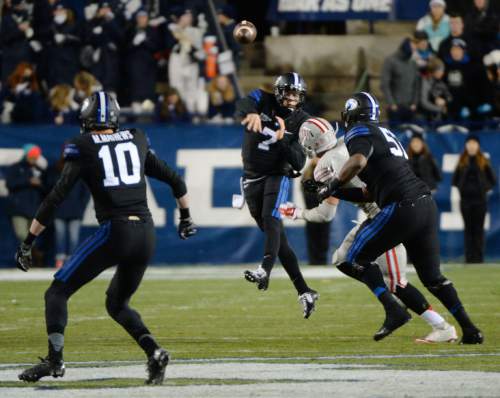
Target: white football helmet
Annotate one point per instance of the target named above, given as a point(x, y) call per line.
point(317, 135)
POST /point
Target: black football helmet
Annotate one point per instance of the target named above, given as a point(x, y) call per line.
point(290, 81)
point(361, 107)
point(100, 111)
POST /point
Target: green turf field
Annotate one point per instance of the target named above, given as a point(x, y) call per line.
point(230, 318)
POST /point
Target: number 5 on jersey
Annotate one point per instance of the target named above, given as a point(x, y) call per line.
point(121, 152)
point(394, 144)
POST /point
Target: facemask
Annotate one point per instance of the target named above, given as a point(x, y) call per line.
point(60, 18)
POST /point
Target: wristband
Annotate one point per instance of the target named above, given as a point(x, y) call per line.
point(184, 213)
point(30, 239)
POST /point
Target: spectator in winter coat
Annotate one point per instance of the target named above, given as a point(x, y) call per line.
point(434, 93)
point(24, 182)
point(423, 52)
point(68, 216)
point(474, 178)
point(62, 47)
point(400, 83)
point(456, 32)
point(63, 108)
point(423, 163)
point(225, 15)
point(492, 64)
point(481, 25)
point(436, 24)
point(142, 43)
point(21, 99)
point(183, 66)
point(105, 36)
point(15, 34)
point(468, 84)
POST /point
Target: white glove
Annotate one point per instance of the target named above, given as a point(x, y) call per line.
point(97, 30)
point(59, 38)
point(290, 210)
point(139, 38)
point(324, 174)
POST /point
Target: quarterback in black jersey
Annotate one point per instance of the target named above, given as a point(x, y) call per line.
point(271, 156)
point(113, 164)
point(408, 214)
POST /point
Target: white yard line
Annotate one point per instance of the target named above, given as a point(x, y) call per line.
point(274, 380)
point(179, 273)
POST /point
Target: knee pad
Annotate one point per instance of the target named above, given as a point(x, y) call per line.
point(56, 290)
point(436, 285)
point(353, 270)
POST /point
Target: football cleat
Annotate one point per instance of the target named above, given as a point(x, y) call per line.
point(472, 336)
point(308, 300)
point(394, 319)
point(46, 367)
point(156, 366)
point(259, 276)
point(445, 334)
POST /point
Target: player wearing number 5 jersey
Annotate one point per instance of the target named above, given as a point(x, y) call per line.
point(271, 155)
point(408, 214)
point(113, 163)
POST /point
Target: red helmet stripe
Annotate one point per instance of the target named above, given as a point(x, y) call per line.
point(319, 124)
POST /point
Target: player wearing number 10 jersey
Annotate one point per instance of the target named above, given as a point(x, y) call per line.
point(113, 164)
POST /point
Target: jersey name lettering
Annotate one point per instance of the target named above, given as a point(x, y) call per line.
point(119, 136)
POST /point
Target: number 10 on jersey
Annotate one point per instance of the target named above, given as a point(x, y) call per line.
point(120, 152)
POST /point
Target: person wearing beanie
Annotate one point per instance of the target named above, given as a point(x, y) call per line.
point(474, 178)
point(436, 23)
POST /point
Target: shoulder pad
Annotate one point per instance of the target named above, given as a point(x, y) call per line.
point(71, 151)
point(357, 131)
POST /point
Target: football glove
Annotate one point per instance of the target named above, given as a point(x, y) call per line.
point(187, 228)
point(311, 186)
point(23, 257)
point(290, 210)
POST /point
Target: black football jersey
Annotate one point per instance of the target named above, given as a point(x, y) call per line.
point(388, 174)
point(113, 166)
point(262, 153)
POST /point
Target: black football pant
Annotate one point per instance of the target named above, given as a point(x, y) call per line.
point(264, 197)
point(414, 224)
point(127, 244)
point(473, 214)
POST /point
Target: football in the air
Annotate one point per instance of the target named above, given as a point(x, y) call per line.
point(245, 32)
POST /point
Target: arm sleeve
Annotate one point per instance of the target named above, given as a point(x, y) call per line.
point(323, 213)
point(158, 169)
point(361, 144)
point(69, 176)
point(249, 104)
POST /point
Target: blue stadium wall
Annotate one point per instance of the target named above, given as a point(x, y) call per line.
point(209, 158)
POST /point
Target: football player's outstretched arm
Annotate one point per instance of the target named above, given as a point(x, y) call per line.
point(69, 175)
point(248, 109)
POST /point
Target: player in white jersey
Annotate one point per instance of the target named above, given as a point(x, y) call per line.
point(318, 138)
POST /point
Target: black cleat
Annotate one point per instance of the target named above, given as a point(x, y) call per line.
point(308, 300)
point(394, 319)
point(156, 366)
point(472, 336)
point(45, 368)
point(259, 276)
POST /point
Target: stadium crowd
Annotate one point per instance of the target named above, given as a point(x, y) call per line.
point(449, 70)
point(55, 53)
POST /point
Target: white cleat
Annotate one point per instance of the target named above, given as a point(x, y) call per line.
point(443, 334)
